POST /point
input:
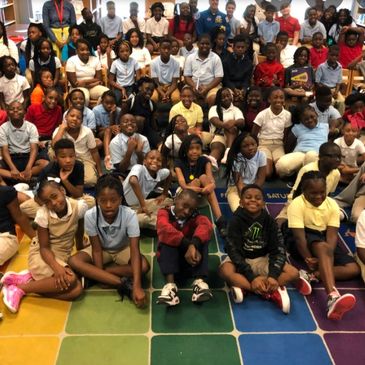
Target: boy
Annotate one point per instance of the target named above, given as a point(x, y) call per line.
point(270, 72)
point(140, 182)
point(329, 74)
point(311, 26)
point(288, 24)
point(286, 50)
point(165, 72)
point(256, 259)
point(188, 47)
point(203, 71)
point(268, 28)
point(234, 23)
point(183, 239)
point(128, 148)
point(89, 29)
point(111, 24)
point(19, 146)
point(133, 21)
point(318, 53)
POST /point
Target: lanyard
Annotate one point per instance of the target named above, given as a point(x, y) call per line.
point(59, 11)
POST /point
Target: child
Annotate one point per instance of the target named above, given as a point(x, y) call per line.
point(111, 24)
point(133, 21)
point(156, 27)
point(183, 239)
point(45, 82)
point(140, 183)
point(89, 29)
point(343, 19)
point(305, 138)
point(256, 259)
point(234, 24)
point(318, 53)
point(314, 220)
point(7, 46)
point(104, 52)
point(299, 78)
point(268, 28)
point(270, 72)
point(245, 165)
point(289, 24)
point(225, 121)
point(19, 146)
point(127, 148)
point(114, 235)
point(139, 52)
point(85, 145)
point(11, 215)
point(188, 47)
point(69, 49)
point(175, 54)
point(194, 171)
point(286, 50)
point(219, 42)
point(49, 273)
point(124, 72)
point(352, 150)
point(272, 126)
point(44, 56)
point(355, 114)
point(330, 74)
point(350, 43)
point(47, 115)
point(165, 72)
point(310, 26)
point(13, 87)
point(253, 104)
point(249, 23)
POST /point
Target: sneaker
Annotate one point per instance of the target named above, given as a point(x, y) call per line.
point(12, 295)
point(304, 282)
point(16, 278)
point(213, 161)
point(281, 298)
point(169, 295)
point(224, 159)
point(125, 288)
point(237, 294)
point(337, 306)
point(201, 291)
point(221, 225)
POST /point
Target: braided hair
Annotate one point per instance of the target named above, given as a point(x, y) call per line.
point(308, 176)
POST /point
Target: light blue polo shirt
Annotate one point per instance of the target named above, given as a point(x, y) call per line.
point(268, 30)
point(115, 236)
point(125, 71)
point(165, 72)
point(329, 114)
point(102, 117)
point(310, 139)
point(329, 76)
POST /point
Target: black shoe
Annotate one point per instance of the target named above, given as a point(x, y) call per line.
point(221, 225)
point(125, 288)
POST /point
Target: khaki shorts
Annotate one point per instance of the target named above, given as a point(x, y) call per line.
point(272, 148)
point(8, 246)
point(118, 257)
point(209, 138)
point(259, 265)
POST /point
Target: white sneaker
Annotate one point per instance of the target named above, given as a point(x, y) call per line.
point(201, 291)
point(213, 161)
point(169, 295)
point(237, 294)
point(224, 159)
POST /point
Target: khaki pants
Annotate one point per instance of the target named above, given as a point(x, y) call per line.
point(91, 174)
point(8, 246)
point(174, 97)
point(93, 93)
point(339, 103)
point(233, 198)
point(273, 148)
point(121, 257)
point(291, 163)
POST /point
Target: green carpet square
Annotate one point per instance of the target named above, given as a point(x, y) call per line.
point(213, 280)
point(110, 350)
point(146, 245)
point(196, 349)
point(188, 317)
point(103, 312)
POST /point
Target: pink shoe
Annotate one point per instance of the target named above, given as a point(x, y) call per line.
point(12, 295)
point(16, 278)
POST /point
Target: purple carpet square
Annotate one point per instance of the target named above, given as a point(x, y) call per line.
point(346, 348)
point(354, 320)
point(274, 208)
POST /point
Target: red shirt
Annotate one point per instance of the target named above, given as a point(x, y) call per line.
point(265, 72)
point(3, 116)
point(182, 28)
point(45, 120)
point(348, 54)
point(317, 56)
point(289, 25)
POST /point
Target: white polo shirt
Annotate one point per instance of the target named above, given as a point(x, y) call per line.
point(350, 153)
point(203, 71)
point(360, 231)
point(145, 180)
point(142, 56)
point(165, 72)
point(272, 126)
point(125, 71)
point(232, 113)
point(84, 71)
point(157, 29)
point(128, 24)
point(12, 89)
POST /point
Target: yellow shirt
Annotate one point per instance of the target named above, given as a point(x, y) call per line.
point(193, 116)
point(302, 214)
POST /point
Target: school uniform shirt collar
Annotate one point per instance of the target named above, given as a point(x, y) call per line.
point(44, 62)
point(8, 81)
point(205, 59)
point(323, 207)
point(238, 58)
point(53, 214)
point(148, 176)
point(82, 133)
point(117, 223)
point(273, 116)
point(181, 222)
point(14, 129)
point(125, 138)
point(331, 68)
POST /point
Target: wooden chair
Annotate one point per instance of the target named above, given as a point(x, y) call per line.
point(346, 80)
point(357, 80)
point(261, 58)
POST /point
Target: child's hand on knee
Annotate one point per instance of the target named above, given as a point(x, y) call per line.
point(271, 284)
point(312, 263)
point(258, 285)
point(190, 255)
point(139, 297)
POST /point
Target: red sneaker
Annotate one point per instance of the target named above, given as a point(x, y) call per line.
point(281, 298)
point(337, 306)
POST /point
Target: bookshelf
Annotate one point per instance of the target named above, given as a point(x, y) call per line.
point(7, 12)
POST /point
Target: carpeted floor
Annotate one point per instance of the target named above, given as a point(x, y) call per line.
point(99, 329)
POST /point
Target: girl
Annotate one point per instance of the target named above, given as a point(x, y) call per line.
point(13, 87)
point(104, 52)
point(350, 42)
point(45, 81)
point(355, 114)
point(69, 49)
point(329, 18)
point(118, 247)
point(272, 126)
point(182, 24)
point(314, 219)
point(219, 42)
point(35, 32)
point(44, 56)
point(305, 138)
point(343, 19)
point(7, 46)
point(225, 120)
point(318, 53)
point(49, 274)
point(139, 52)
point(194, 171)
point(175, 53)
point(300, 70)
point(249, 27)
point(253, 105)
point(245, 165)
point(124, 72)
